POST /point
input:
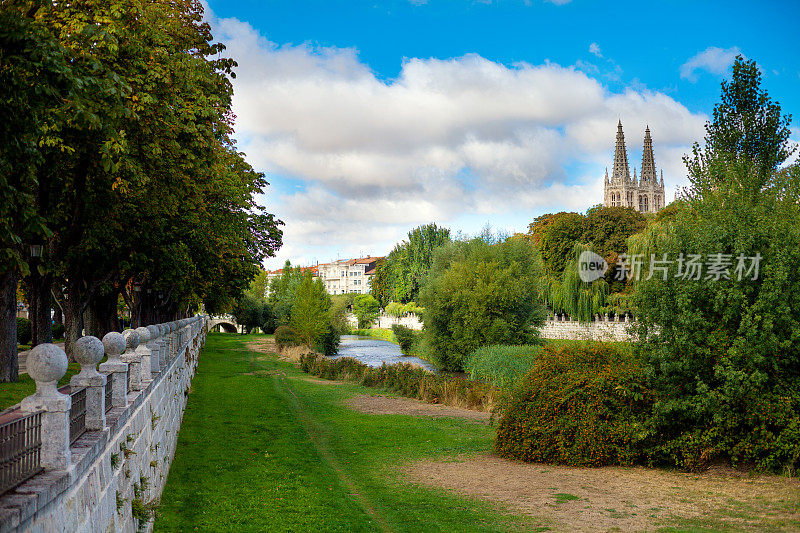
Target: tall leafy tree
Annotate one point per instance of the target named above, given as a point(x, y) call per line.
point(310, 317)
point(402, 274)
point(36, 79)
point(722, 345)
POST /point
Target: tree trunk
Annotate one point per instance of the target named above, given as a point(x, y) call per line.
point(58, 315)
point(40, 304)
point(102, 315)
point(73, 319)
point(9, 367)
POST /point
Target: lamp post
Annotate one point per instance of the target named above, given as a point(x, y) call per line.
point(39, 304)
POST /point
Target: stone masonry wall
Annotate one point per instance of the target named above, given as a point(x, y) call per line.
point(602, 330)
point(114, 470)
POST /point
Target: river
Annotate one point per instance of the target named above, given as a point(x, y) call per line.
point(375, 352)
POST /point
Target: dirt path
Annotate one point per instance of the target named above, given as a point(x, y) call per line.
point(384, 405)
point(631, 499)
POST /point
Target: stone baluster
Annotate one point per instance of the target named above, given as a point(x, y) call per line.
point(46, 364)
point(116, 369)
point(133, 359)
point(164, 340)
point(172, 341)
point(155, 349)
point(88, 352)
point(144, 355)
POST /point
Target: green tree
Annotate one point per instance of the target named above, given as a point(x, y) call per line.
point(479, 294)
point(366, 309)
point(558, 238)
point(401, 275)
point(310, 318)
point(282, 291)
point(721, 349)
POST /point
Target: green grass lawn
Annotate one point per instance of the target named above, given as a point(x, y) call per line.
point(261, 448)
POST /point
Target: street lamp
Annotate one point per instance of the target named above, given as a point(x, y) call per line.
point(36, 250)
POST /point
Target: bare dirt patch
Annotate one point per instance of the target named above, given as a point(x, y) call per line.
point(263, 346)
point(316, 381)
point(384, 405)
point(630, 499)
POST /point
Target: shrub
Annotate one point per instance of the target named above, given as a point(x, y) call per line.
point(328, 342)
point(580, 404)
point(405, 379)
point(395, 309)
point(479, 294)
point(23, 331)
point(285, 336)
point(405, 338)
point(501, 365)
point(58, 331)
point(366, 309)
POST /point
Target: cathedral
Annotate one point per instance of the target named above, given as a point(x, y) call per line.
point(645, 194)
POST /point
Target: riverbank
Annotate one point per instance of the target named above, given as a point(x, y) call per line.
point(264, 446)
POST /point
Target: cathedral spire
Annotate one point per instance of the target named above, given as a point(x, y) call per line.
point(621, 171)
point(648, 161)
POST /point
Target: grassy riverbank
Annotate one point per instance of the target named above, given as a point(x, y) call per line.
point(263, 447)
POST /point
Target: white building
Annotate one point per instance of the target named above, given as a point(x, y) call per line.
point(348, 275)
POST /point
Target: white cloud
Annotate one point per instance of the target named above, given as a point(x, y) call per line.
point(594, 48)
point(447, 137)
point(712, 59)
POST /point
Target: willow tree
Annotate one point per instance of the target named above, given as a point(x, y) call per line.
point(569, 294)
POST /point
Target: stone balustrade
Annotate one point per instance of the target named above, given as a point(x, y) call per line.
point(93, 462)
point(602, 328)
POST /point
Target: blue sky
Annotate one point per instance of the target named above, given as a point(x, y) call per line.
point(371, 118)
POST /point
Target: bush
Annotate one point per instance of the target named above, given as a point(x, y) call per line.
point(580, 404)
point(58, 331)
point(479, 294)
point(405, 379)
point(23, 331)
point(501, 365)
point(395, 309)
point(366, 309)
point(328, 342)
point(285, 336)
point(405, 338)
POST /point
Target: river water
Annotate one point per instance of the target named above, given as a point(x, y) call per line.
point(375, 352)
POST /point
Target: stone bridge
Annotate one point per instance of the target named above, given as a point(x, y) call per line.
point(224, 323)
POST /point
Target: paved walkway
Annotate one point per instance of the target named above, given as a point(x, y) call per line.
point(23, 356)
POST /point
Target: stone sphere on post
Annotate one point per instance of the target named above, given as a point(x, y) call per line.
point(46, 363)
point(114, 344)
point(144, 335)
point(88, 352)
point(131, 339)
point(154, 332)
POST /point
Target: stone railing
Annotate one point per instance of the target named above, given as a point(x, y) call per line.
point(84, 465)
point(602, 328)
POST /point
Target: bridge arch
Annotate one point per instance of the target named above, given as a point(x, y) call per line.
point(225, 324)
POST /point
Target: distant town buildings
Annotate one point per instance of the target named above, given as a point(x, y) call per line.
point(341, 277)
point(348, 275)
point(645, 194)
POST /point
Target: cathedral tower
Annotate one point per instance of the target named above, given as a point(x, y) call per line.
point(644, 194)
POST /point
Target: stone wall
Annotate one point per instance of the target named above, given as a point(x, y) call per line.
point(602, 329)
point(121, 469)
point(385, 321)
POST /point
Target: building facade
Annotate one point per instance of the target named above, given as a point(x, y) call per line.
point(348, 275)
point(645, 193)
